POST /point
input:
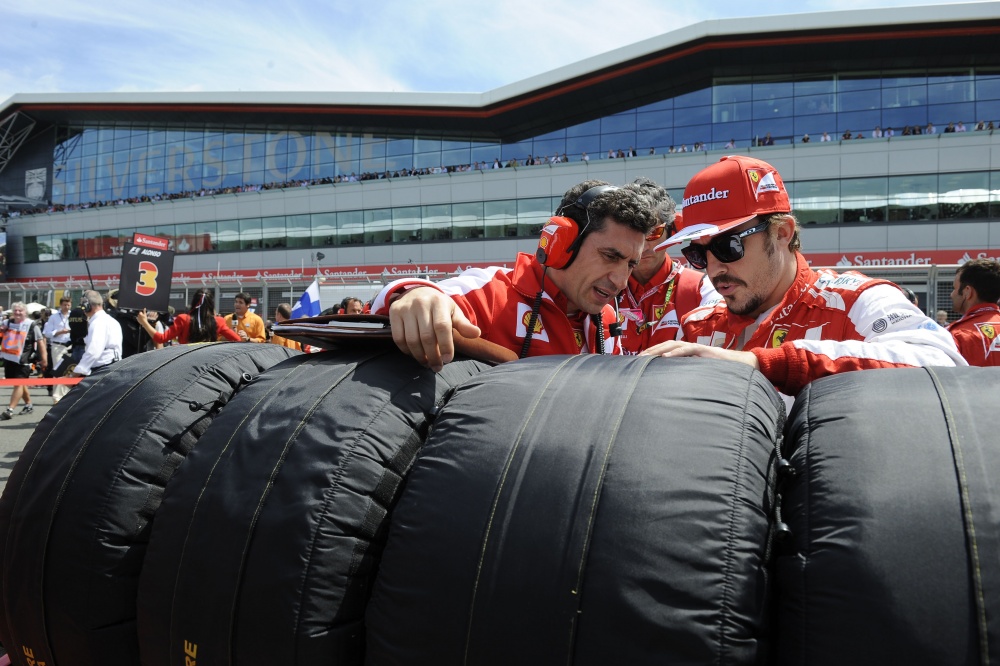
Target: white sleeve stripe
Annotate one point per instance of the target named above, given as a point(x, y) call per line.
point(894, 348)
point(470, 280)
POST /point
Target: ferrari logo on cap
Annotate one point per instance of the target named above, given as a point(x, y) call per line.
point(754, 176)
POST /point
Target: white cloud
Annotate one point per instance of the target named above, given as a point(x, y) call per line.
point(391, 45)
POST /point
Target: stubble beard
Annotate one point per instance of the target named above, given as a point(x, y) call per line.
point(755, 301)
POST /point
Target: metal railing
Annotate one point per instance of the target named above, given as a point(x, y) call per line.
point(931, 283)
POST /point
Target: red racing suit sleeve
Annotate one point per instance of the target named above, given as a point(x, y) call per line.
point(383, 300)
point(887, 333)
point(470, 291)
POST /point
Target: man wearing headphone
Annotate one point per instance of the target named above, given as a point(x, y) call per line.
point(103, 344)
point(556, 301)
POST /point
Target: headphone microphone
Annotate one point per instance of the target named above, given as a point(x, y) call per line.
point(86, 305)
point(615, 329)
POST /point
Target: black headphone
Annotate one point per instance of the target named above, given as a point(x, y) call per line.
point(86, 305)
point(562, 237)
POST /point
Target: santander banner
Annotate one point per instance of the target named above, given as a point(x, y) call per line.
point(912, 258)
point(387, 272)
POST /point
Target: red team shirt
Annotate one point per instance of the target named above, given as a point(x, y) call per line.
point(820, 326)
point(499, 300)
point(977, 335)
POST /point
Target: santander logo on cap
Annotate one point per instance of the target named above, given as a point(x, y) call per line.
point(726, 194)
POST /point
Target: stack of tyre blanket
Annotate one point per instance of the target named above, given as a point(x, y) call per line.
point(242, 504)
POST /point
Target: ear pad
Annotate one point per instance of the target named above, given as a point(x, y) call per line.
point(556, 245)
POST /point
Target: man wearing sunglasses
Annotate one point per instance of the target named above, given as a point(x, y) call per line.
point(792, 323)
point(660, 290)
point(550, 302)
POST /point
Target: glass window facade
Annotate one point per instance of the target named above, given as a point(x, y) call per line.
point(946, 196)
point(100, 164)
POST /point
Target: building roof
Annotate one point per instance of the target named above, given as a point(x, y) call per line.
point(938, 36)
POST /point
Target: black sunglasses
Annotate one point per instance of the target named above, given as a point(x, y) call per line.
point(727, 249)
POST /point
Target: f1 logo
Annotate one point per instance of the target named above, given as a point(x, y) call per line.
point(134, 250)
point(147, 278)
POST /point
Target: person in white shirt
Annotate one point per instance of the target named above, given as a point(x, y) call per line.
point(877, 132)
point(825, 137)
point(56, 332)
point(103, 344)
point(960, 127)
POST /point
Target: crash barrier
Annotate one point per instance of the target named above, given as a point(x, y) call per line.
point(582, 509)
point(585, 510)
point(267, 542)
point(41, 381)
point(896, 520)
point(76, 511)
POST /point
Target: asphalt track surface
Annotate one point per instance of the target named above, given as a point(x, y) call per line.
point(14, 434)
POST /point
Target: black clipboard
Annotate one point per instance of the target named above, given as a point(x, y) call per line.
point(334, 331)
point(366, 330)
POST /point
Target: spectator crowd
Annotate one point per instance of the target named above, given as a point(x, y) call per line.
point(531, 160)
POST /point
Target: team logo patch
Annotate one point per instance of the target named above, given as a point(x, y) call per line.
point(990, 340)
point(778, 336)
point(543, 242)
point(526, 319)
point(658, 312)
point(579, 338)
point(668, 320)
point(523, 316)
point(761, 184)
point(880, 325)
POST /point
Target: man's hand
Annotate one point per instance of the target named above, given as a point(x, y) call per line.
point(674, 348)
point(141, 316)
point(422, 320)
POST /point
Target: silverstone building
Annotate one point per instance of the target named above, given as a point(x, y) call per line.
point(263, 191)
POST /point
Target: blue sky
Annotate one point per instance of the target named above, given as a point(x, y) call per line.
point(51, 46)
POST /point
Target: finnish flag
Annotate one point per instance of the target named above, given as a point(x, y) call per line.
point(308, 305)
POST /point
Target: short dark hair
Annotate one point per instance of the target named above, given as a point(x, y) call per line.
point(285, 310)
point(663, 205)
point(348, 300)
point(626, 205)
point(243, 296)
point(983, 275)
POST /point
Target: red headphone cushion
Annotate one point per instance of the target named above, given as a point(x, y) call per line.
point(556, 244)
